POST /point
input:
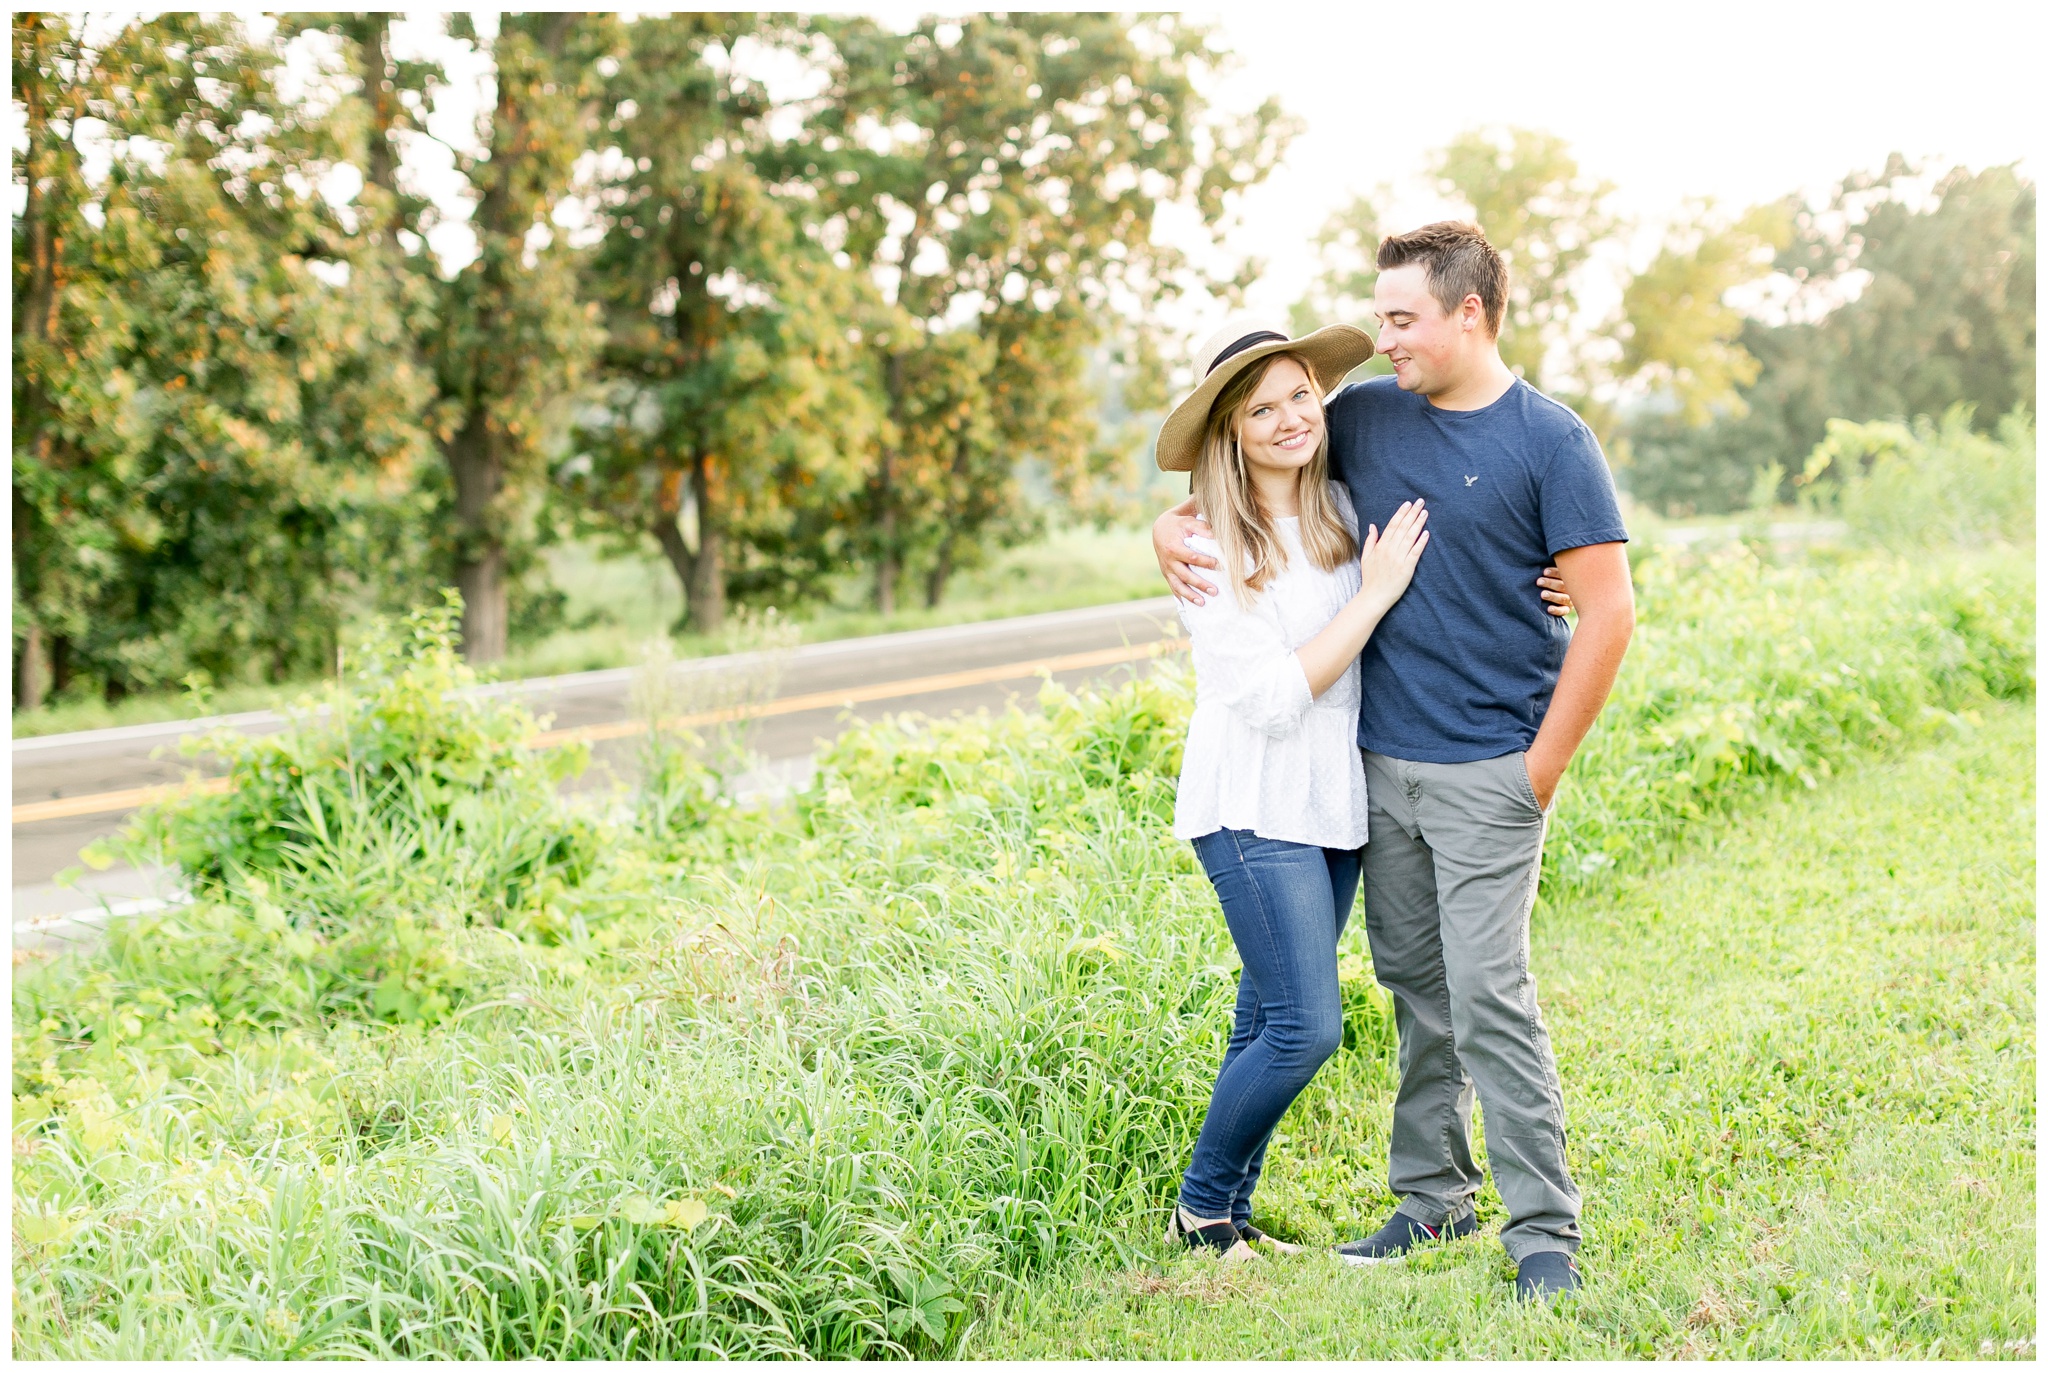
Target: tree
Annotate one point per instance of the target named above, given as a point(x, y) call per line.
point(507, 339)
point(1341, 291)
point(511, 339)
point(1678, 331)
point(1948, 314)
point(1545, 217)
point(75, 441)
point(1675, 331)
point(1945, 315)
point(997, 176)
point(214, 447)
point(732, 400)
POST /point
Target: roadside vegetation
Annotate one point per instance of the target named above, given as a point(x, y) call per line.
point(614, 603)
point(441, 1062)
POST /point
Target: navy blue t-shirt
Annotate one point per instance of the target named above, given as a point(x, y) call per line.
point(1463, 666)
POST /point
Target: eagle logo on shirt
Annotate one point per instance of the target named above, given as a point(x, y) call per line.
point(1470, 480)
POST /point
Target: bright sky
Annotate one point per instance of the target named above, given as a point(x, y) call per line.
point(1741, 100)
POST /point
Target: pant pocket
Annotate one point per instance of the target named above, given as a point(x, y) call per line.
point(1526, 786)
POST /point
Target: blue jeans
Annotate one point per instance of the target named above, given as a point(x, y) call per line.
point(1285, 905)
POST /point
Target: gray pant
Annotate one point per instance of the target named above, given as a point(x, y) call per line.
point(1450, 875)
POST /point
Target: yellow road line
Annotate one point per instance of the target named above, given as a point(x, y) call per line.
point(110, 802)
point(106, 802)
point(880, 691)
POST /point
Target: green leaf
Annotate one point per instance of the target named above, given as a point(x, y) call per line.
point(37, 1228)
point(641, 1210)
point(687, 1212)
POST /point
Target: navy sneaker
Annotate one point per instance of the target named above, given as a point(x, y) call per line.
point(1392, 1241)
point(1546, 1276)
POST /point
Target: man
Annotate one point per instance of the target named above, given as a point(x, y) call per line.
point(1475, 700)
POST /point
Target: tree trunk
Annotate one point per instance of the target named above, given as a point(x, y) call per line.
point(699, 570)
point(478, 455)
point(481, 580)
point(35, 311)
point(676, 549)
point(35, 315)
point(888, 567)
point(36, 306)
point(479, 472)
point(706, 583)
point(935, 579)
point(942, 562)
point(889, 558)
point(31, 670)
point(375, 36)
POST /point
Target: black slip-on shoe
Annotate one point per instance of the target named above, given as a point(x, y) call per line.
point(1392, 1241)
point(1546, 1276)
point(1219, 1235)
point(1251, 1234)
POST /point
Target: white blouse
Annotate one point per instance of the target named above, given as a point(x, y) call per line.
point(1261, 754)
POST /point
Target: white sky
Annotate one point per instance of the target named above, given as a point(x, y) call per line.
point(1740, 100)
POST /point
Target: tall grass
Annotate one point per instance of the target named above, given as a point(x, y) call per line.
point(1747, 674)
point(816, 1081)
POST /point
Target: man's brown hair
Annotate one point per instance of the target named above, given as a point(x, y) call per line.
point(1457, 262)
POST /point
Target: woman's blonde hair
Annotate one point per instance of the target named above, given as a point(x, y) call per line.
point(1252, 551)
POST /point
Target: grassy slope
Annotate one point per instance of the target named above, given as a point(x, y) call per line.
point(636, 599)
point(1799, 1066)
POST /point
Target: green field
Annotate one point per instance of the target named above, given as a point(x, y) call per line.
point(446, 1063)
point(1799, 1068)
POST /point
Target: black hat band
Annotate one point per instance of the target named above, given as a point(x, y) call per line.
point(1248, 341)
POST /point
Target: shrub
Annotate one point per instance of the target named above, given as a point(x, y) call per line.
point(399, 787)
point(1745, 674)
point(348, 846)
point(1929, 484)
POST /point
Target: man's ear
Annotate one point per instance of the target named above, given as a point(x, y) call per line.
point(1471, 312)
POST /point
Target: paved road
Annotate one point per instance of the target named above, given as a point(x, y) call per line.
point(68, 788)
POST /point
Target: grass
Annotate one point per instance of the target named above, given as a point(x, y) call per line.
point(444, 1064)
point(1799, 1068)
point(622, 601)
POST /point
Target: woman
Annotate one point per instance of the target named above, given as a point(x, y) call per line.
point(1272, 792)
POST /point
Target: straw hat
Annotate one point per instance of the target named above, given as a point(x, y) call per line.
point(1331, 352)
